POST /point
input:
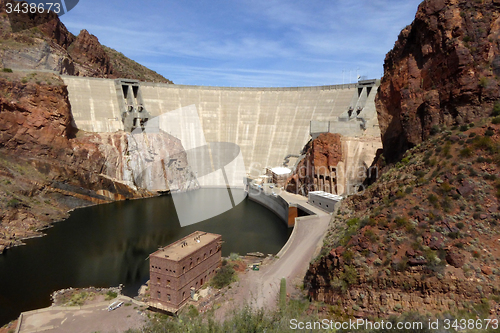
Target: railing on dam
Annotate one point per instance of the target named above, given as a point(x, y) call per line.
point(307, 88)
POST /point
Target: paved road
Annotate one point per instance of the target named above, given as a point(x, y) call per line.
point(260, 288)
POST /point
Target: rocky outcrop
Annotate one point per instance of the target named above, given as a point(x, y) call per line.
point(443, 70)
point(90, 55)
point(381, 295)
point(317, 170)
point(42, 42)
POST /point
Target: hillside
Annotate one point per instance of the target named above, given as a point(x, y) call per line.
point(425, 236)
point(42, 42)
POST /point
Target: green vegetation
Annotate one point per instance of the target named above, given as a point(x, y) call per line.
point(347, 278)
point(496, 109)
point(283, 293)
point(79, 299)
point(111, 295)
point(13, 203)
point(243, 320)
point(7, 70)
point(224, 276)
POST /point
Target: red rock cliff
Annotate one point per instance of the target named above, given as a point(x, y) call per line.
point(443, 70)
point(316, 171)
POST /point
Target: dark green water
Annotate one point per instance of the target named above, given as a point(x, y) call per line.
point(109, 244)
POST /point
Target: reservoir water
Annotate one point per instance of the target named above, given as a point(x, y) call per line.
point(108, 245)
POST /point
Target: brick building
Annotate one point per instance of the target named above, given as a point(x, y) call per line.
point(175, 269)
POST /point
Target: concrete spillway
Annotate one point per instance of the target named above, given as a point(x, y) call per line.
point(266, 123)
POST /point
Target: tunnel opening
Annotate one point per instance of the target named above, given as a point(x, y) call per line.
point(125, 91)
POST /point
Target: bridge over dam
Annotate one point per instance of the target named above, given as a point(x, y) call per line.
point(266, 123)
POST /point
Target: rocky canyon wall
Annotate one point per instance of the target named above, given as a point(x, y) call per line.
point(442, 71)
point(48, 167)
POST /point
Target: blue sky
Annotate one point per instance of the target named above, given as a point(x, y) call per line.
point(253, 43)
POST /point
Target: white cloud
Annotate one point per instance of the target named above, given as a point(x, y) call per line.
point(243, 42)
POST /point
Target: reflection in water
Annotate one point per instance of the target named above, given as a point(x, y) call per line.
point(107, 245)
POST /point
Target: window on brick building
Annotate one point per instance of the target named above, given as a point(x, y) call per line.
point(168, 297)
point(168, 283)
point(158, 294)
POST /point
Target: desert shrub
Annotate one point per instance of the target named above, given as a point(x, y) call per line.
point(484, 142)
point(401, 221)
point(489, 132)
point(368, 221)
point(483, 82)
point(466, 152)
point(111, 295)
point(496, 109)
point(348, 256)
point(7, 70)
point(464, 128)
point(401, 265)
point(224, 276)
point(349, 275)
point(496, 120)
point(371, 235)
point(419, 173)
point(352, 222)
point(434, 129)
point(446, 149)
point(78, 299)
point(13, 203)
point(432, 199)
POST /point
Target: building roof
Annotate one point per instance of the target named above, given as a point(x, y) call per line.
point(326, 195)
point(281, 170)
point(185, 246)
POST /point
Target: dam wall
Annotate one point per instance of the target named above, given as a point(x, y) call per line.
point(266, 124)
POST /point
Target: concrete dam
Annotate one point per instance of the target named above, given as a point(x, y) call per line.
point(267, 124)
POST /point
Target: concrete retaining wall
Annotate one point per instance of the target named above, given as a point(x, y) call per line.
point(275, 204)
